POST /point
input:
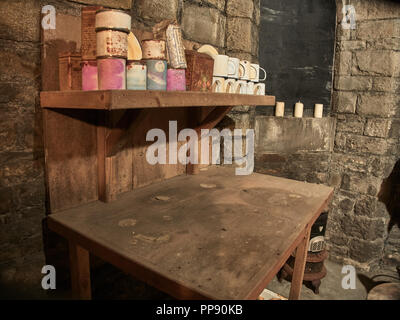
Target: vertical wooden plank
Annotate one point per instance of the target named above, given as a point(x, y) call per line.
point(80, 272)
point(299, 266)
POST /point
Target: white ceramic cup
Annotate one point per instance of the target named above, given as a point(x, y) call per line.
point(244, 70)
point(255, 73)
point(259, 89)
point(241, 87)
point(233, 68)
point(230, 85)
point(250, 88)
point(218, 85)
point(221, 65)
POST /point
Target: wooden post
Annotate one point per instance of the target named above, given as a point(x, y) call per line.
point(299, 266)
point(80, 272)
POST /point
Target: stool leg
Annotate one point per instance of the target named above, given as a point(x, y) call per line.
point(80, 272)
point(299, 266)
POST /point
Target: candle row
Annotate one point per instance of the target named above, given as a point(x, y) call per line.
point(298, 110)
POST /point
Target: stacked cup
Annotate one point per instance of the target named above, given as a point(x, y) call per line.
point(155, 55)
point(112, 29)
point(232, 75)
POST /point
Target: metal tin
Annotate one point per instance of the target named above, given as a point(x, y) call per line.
point(136, 75)
point(199, 72)
point(70, 71)
point(88, 32)
point(176, 50)
point(112, 74)
point(156, 75)
point(176, 80)
point(89, 75)
point(154, 49)
point(112, 43)
point(113, 19)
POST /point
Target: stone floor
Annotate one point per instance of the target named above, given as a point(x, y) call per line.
point(24, 282)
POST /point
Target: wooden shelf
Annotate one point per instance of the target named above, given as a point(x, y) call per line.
point(214, 235)
point(129, 99)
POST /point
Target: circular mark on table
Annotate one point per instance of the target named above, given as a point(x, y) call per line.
point(162, 198)
point(127, 223)
point(268, 196)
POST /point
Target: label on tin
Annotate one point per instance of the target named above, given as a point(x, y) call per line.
point(111, 43)
point(156, 75)
point(136, 76)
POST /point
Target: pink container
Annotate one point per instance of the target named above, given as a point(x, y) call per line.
point(176, 80)
point(89, 75)
point(112, 74)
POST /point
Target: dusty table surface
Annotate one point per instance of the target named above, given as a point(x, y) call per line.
point(213, 235)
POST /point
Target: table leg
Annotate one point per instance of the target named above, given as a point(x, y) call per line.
point(80, 272)
point(299, 266)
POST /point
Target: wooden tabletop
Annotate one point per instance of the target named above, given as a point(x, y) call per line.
point(214, 235)
point(130, 99)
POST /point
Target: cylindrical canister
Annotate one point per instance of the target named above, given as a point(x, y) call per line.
point(154, 49)
point(136, 75)
point(156, 75)
point(176, 80)
point(89, 75)
point(112, 43)
point(176, 50)
point(88, 32)
point(111, 73)
point(113, 19)
point(70, 71)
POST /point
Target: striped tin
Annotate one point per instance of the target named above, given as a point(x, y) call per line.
point(154, 49)
point(112, 74)
point(107, 19)
point(136, 75)
point(176, 50)
point(156, 75)
point(176, 80)
point(88, 32)
point(112, 43)
point(89, 75)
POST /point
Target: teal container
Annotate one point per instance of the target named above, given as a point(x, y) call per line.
point(136, 75)
point(156, 75)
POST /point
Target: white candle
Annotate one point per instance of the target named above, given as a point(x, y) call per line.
point(319, 110)
point(298, 110)
point(280, 109)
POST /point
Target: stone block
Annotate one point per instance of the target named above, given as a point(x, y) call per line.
point(204, 25)
point(343, 62)
point(377, 62)
point(378, 29)
point(344, 102)
point(290, 135)
point(368, 145)
point(219, 4)
point(377, 128)
point(118, 4)
point(157, 10)
point(351, 45)
point(351, 123)
point(385, 44)
point(364, 228)
point(361, 183)
point(365, 251)
point(372, 9)
point(240, 8)
point(353, 83)
point(240, 34)
point(375, 104)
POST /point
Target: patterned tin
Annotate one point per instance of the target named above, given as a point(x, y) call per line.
point(88, 32)
point(156, 75)
point(176, 80)
point(70, 71)
point(112, 43)
point(199, 73)
point(176, 50)
point(112, 74)
point(154, 50)
point(136, 75)
point(113, 19)
point(89, 75)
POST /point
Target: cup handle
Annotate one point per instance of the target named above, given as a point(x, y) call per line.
point(255, 73)
point(242, 70)
point(214, 86)
point(238, 88)
point(265, 74)
point(228, 87)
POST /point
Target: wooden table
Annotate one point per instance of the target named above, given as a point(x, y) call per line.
point(214, 235)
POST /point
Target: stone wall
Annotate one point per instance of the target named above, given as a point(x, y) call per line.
point(230, 25)
point(366, 106)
